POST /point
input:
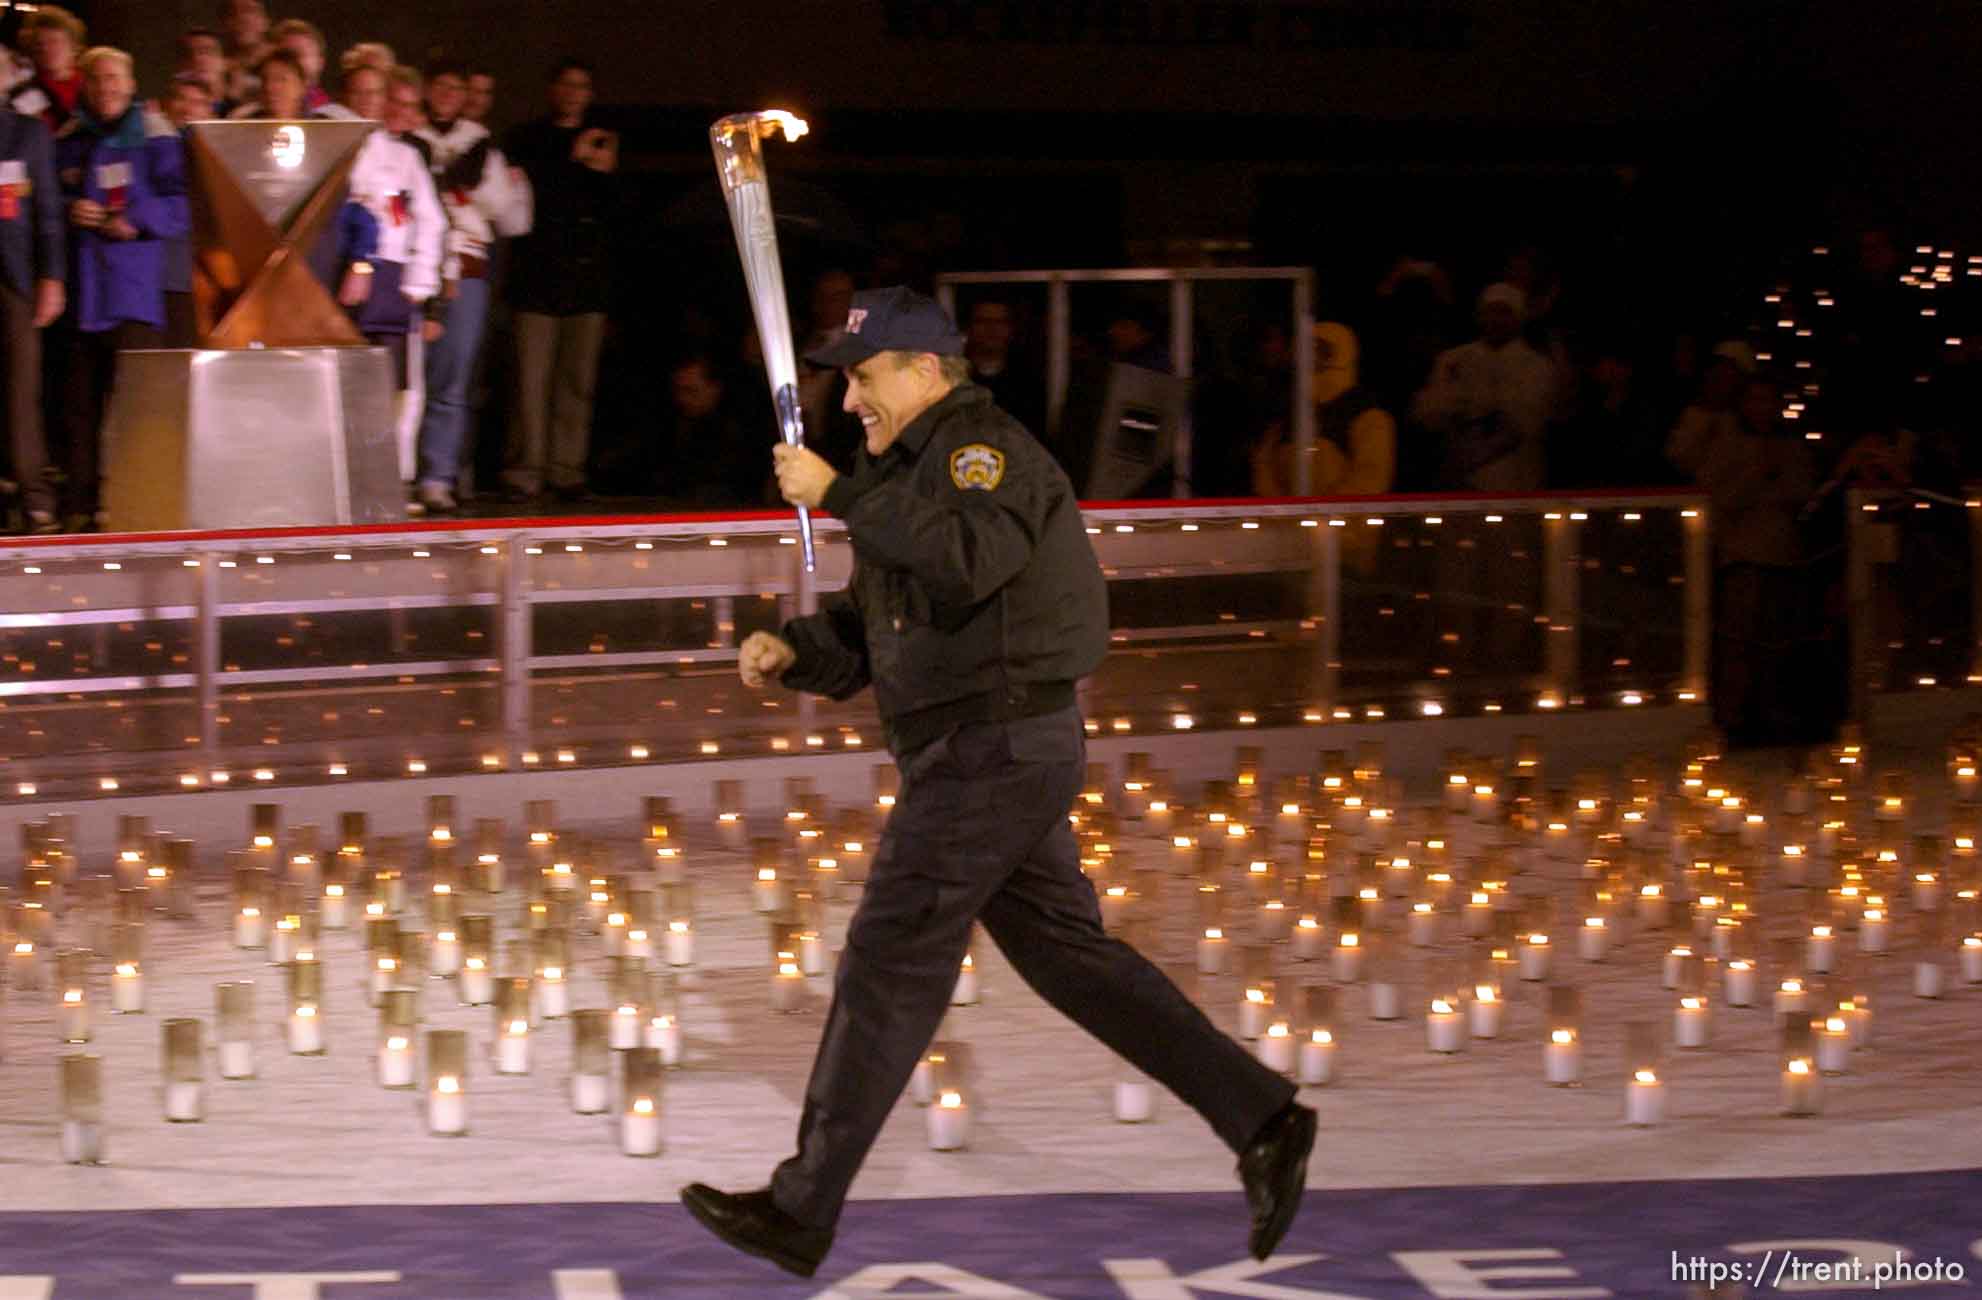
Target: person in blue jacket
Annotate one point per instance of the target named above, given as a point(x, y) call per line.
point(31, 297)
point(122, 172)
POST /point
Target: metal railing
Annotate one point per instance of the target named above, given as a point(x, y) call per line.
point(176, 663)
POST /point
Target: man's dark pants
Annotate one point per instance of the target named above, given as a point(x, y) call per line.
point(980, 832)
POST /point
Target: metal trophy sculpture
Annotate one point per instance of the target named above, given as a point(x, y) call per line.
point(282, 414)
point(737, 141)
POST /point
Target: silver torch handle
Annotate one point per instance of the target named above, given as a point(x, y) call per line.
point(737, 142)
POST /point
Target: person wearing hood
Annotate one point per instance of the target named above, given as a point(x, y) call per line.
point(1355, 444)
point(1490, 401)
point(122, 172)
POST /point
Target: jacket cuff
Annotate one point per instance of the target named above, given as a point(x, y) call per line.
point(843, 493)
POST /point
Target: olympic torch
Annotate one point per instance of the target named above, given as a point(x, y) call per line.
point(738, 143)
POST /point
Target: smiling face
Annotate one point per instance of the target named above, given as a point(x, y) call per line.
point(364, 93)
point(888, 390)
point(108, 87)
point(402, 108)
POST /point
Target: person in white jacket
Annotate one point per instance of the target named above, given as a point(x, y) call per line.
point(1490, 402)
point(485, 199)
point(390, 179)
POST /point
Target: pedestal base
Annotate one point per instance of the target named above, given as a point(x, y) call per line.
point(260, 438)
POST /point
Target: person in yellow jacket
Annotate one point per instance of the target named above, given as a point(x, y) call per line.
point(1355, 445)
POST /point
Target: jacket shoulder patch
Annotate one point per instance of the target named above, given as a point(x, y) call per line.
point(978, 466)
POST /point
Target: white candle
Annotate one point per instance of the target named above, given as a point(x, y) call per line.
point(1276, 1048)
point(787, 988)
point(1273, 920)
point(305, 1031)
point(1458, 789)
point(1927, 979)
point(1690, 1022)
point(446, 958)
point(1726, 930)
point(812, 954)
point(640, 1129)
point(1674, 968)
point(447, 1108)
point(185, 1103)
point(1874, 930)
point(72, 1019)
point(625, 1030)
point(1738, 981)
point(553, 994)
point(1483, 1013)
point(1253, 1012)
point(1857, 1015)
point(250, 928)
point(396, 1063)
point(282, 943)
point(664, 1035)
point(1386, 1001)
point(965, 992)
point(127, 990)
point(1445, 1031)
point(334, 910)
point(1562, 1058)
point(1421, 928)
point(1821, 950)
point(1971, 959)
point(1534, 958)
point(1479, 915)
point(1802, 1088)
point(1653, 908)
point(385, 976)
point(612, 933)
point(237, 1060)
point(1346, 962)
point(82, 1144)
point(513, 1048)
point(1834, 1046)
point(1795, 865)
point(590, 1093)
point(1211, 952)
point(1926, 891)
point(1317, 1064)
point(1135, 1101)
point(1593, 939)
point(949, 1123)
point(477, 983)
point(1308, 937)
point(1644, 1099)
point(1754, 828)
point(1791, 996)
point(680, 944)
point(767, 891)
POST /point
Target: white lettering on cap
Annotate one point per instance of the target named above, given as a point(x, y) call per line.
point(855, 318)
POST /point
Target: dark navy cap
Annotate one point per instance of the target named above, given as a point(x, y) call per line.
point(889, 320)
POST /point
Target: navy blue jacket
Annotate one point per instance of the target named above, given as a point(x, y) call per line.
point(31, 227)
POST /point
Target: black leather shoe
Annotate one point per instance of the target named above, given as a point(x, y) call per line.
point(1275, 1171)
point(752, 1223)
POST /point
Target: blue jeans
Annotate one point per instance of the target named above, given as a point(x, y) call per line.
point(450, 367)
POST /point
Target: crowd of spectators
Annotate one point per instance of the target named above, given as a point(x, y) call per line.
point(96, 242)
point(490, 268)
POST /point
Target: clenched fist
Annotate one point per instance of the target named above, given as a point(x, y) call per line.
point(764, 657)
point(803, 475)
